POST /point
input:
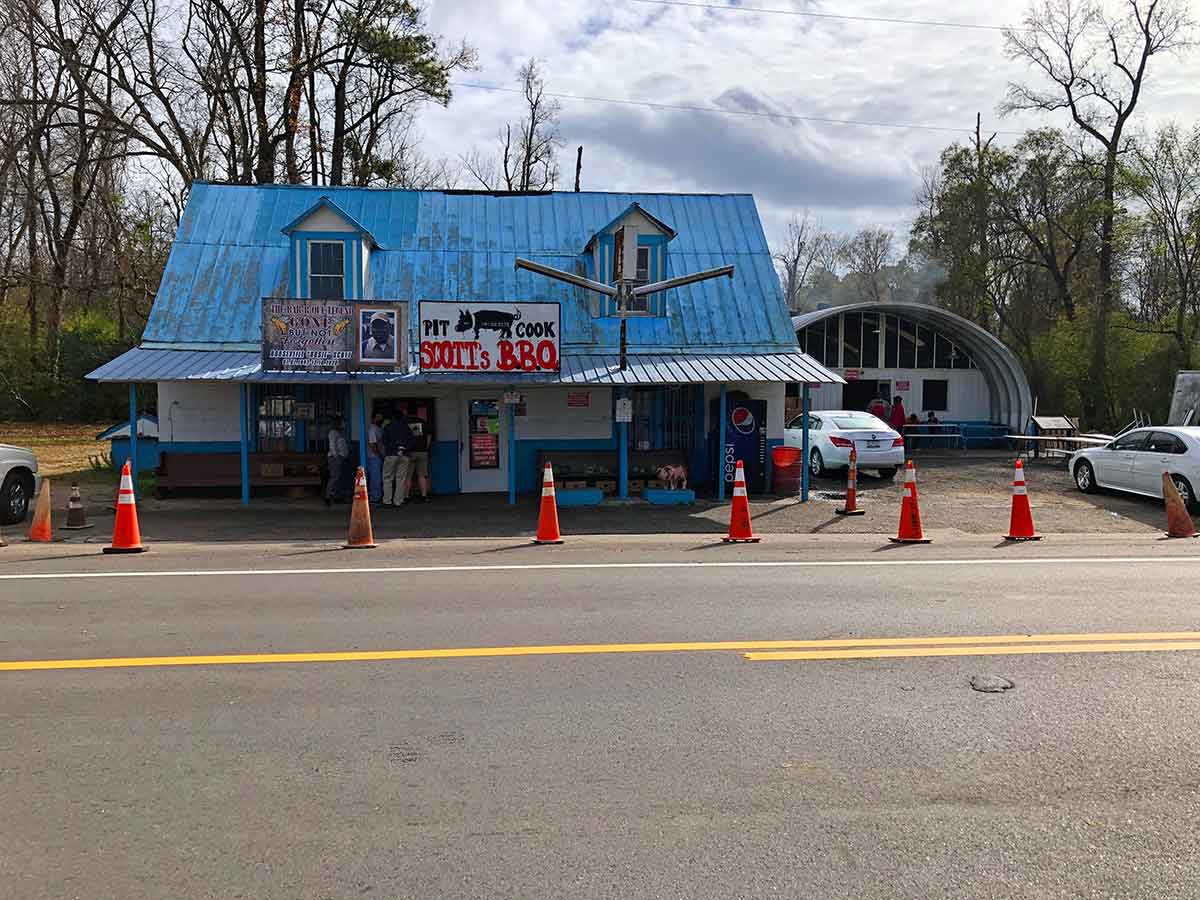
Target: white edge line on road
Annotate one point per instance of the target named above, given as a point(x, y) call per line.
point(553, 567)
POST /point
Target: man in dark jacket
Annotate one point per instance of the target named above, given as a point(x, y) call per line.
point(396, 439)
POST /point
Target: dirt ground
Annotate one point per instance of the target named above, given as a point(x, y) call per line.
point(61, 448)
point(965, 494)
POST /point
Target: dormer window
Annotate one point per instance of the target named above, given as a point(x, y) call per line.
point(642, 273)
point(326, 270)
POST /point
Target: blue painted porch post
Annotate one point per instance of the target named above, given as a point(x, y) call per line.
point(512, 453)
point(804, 404)
point(362, 427)
point(721, 451)
point(622, 452)
point(243, 405)
point(133, 430)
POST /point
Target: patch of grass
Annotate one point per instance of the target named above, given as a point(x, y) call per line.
point(61, 448)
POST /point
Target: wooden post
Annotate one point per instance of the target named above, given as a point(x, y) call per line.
point(578, 166)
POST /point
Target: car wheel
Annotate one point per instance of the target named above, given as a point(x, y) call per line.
point(15, 494)
point(887, 474)
point(1185, 492)
point(1085, 477)
point(816, 464)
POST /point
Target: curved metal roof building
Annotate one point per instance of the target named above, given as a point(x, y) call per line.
point(1011, 401)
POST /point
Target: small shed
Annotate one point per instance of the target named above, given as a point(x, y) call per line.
point(118, 437)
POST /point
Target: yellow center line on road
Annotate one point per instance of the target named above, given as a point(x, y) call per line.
point(897, 652)
point(758, 651)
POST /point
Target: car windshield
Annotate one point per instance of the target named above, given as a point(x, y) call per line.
point(858, 421)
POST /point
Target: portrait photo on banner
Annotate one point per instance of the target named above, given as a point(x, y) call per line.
point(377, 336)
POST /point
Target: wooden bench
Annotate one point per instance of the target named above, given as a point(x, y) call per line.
point(224, 470)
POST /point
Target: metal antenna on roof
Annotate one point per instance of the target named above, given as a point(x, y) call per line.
point(626, 289)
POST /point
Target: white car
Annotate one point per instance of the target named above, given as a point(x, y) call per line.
point(18, 483)
point(1135, 462)
point(833, 432)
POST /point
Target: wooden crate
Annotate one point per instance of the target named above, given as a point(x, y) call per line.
point(637, 484)
point(574, 485)
point(608, 485)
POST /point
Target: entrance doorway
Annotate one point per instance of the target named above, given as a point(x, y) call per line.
point(858, 394)
point(484, 456)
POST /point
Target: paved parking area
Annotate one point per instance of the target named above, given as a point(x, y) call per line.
point(966, 494)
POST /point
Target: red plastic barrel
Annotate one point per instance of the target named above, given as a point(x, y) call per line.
point(783, 457)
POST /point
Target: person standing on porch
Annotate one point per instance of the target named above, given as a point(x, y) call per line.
point(337, 458)
point(375, 458)
point(396, 437)
point(416, 456)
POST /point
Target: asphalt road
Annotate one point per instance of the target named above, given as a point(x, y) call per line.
point(689, 773)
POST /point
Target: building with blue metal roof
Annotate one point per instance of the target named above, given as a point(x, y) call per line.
point(283, 306)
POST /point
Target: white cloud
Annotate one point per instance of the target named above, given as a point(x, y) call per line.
point(848, 175)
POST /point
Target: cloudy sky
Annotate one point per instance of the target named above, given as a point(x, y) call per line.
point(756, 62)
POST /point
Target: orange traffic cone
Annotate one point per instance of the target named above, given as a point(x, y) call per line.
point(1179, 520)
point(547, 532)
point(910, 512)
point(740, 531)
point(851, 507)
point(40, 529)
point(360, 536)
point(127, 537)
point(1020, 524)
point(76, 514)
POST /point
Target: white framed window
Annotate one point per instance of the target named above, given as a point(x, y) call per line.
point(642, 274)
point(326, 270)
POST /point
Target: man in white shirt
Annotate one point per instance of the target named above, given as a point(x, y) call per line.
point(336, 458)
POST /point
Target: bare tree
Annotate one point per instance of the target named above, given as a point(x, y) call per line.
point(866, 255)
point(1165, 177)
point(1096, 67)
point(801, 253)
point(528, 156)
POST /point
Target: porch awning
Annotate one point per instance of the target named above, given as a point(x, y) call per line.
point(144, 364)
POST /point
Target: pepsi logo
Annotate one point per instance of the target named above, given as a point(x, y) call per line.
point(742, 419)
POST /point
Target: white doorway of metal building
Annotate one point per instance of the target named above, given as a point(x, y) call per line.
point(483, 457)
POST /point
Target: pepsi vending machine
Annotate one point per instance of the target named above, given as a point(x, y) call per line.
point(743, 436)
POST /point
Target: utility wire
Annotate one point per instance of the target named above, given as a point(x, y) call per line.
point(859, 123)
point(817, 15)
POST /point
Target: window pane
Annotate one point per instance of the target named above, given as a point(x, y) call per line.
point(924, 348)
point(889, 349)
point(831, 342)
point(852, 341)
point(643, 264)
point(326, 287)
point(908, 346)
point(870, 336)
point(961, 360)
point(934, 393)
point(326, 258)
point(941, 356)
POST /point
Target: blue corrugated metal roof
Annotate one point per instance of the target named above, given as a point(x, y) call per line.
point(230, 251)
point(142, 364)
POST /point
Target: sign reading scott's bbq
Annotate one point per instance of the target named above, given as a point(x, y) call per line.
point(489, 337)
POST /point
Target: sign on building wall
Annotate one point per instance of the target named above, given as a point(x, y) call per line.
point(382, 336)
point(307, 335)
point(333, 336)
point(488, 337)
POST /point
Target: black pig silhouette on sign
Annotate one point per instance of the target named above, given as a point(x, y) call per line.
point(487, 320)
